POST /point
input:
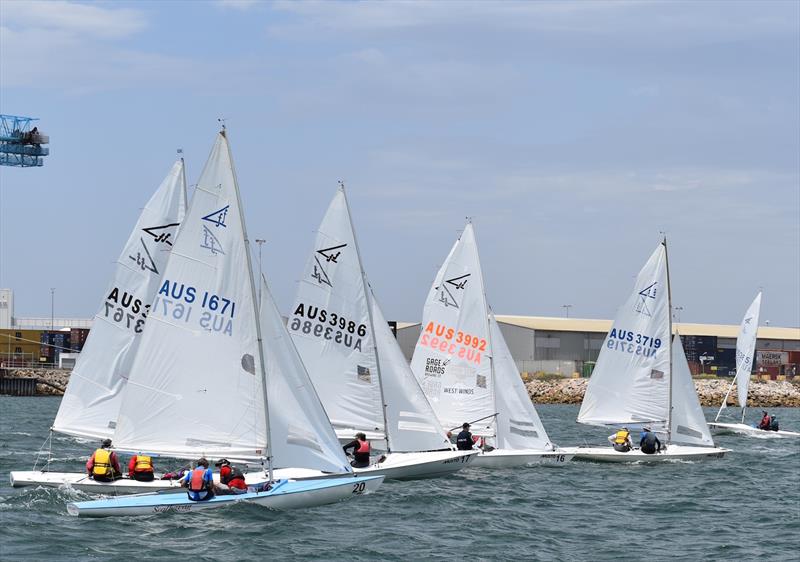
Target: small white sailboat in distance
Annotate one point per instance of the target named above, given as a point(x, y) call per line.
point(745, 353)
point(642, 377)
point(355, 362)
point(215, 377)
point(93, 396)
point(463, 364)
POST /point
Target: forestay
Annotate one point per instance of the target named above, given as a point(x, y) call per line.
point(518, 423)
point(93, 396)
point(745, 349)
point(630, 382)
point(329, 324)
point(195, 385)
point(687, 424)
point(451, 359)
point(300, 431)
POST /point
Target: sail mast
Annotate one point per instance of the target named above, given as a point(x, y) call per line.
point(669, 315)
point(488, 328)
point(257, 315)
point(368, 296)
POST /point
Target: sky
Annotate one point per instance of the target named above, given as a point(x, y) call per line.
point(573, 134)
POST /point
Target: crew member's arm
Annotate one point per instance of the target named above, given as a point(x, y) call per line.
point(352, 445)
point(115, 463)
point(90, 464)
point(132, 466)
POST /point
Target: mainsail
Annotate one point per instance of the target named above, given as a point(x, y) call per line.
point(348, 349)
point(745, 352)
point(452, 357)
point(630, 383)
point(93, 396)
point(195, 385)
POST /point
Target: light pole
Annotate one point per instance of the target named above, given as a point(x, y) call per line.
point(676, 313)
point(566, 308)
point(260, 242)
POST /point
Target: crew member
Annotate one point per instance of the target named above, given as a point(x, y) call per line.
point(140, 468)
point(773, 423)
point(231, 478)
point(103, 465)
point(200, 482)
point(465, 440)
point(361, 450)
point(765, 421)
point(621, 440)
point(648, 442)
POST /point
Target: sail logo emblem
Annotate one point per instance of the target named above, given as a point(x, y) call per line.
point(648, 292)
point(145, 261)
point(162, 233)
point(330, 255)
point(448, 290)
point(210, 242)
point(217, 218)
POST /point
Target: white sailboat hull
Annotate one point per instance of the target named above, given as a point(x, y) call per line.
point(79, 481)
point(411, 466)
point(750, 431)
point(509, 458)
point(672, 453)
point(285, 495)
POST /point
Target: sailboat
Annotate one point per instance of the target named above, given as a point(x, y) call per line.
point(465, 367)
point(219, 379)
point(364, 381)
point(745, 352)
point(93, 395)
point(642, 377)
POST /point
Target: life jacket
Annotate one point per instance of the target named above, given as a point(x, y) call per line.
point(773, 424)
point(102, 463)
point(621, 437)
point(143, 464)
point(231, 474)
point(363, 447)
point(197, 482)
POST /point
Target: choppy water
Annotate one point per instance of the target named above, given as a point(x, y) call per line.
point(743, 507)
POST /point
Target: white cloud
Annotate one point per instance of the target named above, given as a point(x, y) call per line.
point(61, 17)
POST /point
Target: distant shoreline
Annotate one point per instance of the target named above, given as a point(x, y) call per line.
point(761, 394)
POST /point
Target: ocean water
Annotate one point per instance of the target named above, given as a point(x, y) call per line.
point(745, 506)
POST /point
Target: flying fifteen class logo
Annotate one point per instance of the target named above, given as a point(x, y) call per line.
point(160, 235)
point(449, 289)
point(329, 255)
point(217, 218)
point(145, 260)
point(645, 294)
point(210, 241)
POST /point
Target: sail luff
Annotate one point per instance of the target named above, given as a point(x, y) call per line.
point(368, 295)
point(259, 339)
point(669, 309)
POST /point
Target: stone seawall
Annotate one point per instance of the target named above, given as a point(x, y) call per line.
point(765, 394)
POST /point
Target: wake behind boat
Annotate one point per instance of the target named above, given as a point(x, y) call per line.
point(642, 377)
point(283, 495)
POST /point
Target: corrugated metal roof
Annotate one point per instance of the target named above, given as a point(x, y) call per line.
point(603, 326)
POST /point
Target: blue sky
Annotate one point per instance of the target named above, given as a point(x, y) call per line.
point(573, 133)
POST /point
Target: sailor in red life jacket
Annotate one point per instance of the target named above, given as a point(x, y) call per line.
point(765, 420)
point(200, 482)
point(361, 451)
point(103, 465)
point(140, 468)
point(231, 478)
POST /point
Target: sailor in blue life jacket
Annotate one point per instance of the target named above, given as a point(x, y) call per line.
point(773, 423)
point(361, 450)
point(648, 442)
point(465, 440)
point(200, 482)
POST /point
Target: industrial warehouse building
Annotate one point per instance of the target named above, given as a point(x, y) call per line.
point(571, 345)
